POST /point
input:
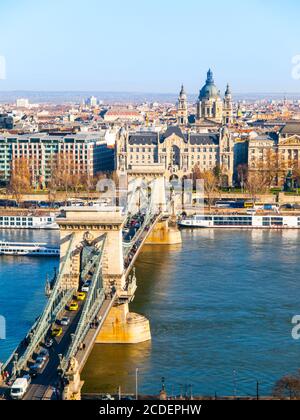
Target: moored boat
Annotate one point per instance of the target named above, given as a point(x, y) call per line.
point(28, 222)
point(242, 221)
point(28, 249)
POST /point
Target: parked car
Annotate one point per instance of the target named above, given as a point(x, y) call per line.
point(44, 205)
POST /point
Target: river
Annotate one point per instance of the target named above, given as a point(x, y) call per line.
point(220, 307)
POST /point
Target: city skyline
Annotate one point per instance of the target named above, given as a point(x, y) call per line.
point(133, 47)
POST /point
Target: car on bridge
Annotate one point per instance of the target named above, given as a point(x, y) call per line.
point(57, 332)
point(64, 321)
point(49, 343)
point(73, 307)
point(86, 287)
point(43, 356)
point(19, 388)
point(37, 368)
point(81, 296)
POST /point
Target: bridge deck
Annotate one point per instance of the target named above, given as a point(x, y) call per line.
point(41, 386)
point(48, 382)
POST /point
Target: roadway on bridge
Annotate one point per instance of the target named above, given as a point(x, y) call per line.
point(45, 383)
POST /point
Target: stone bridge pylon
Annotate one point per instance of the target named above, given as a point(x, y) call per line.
point(83, 226)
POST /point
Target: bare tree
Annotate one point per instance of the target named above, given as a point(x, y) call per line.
point(242, 172)
point(20, 178)
point(257, 183)
point(288, 387)
point(211, 183)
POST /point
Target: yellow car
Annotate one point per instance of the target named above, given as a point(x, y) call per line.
point(81, 296)
point(57, 332)
point(73, 307)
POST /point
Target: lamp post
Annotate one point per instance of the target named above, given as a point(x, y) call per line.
point(136, 384)
point(235, 383)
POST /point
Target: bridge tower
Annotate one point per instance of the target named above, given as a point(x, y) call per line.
point(83, 226)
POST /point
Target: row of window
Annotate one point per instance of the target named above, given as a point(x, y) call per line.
point(11, 224)
point(193, 150)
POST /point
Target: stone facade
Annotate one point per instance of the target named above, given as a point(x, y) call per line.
point(175, 153)
point(282, 147)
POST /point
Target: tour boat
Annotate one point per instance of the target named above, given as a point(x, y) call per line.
point(28, 222)
point(242, 222)
point(28, 249)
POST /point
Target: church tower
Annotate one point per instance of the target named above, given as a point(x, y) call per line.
point(182, 109)
point(227, 107)
point(226, 156)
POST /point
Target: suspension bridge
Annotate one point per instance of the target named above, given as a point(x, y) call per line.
point(99, 245)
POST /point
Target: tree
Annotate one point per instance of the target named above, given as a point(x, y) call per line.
point(257, 183)
point(196, 175)
point(20, 178)
point(288, 387)
point(296, 173)
point(217, 171)
point(211, 183)
point(89, 184)
point(65, 174)
point(242, 172)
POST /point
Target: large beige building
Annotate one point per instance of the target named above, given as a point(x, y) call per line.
point(281, 149)
point(203, 141)
point(176, 153)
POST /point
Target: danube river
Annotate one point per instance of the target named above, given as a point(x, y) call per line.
point(220, 308)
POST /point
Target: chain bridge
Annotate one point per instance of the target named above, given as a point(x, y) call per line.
point(98, 245)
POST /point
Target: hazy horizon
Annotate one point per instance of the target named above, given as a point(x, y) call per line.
point(61, 97)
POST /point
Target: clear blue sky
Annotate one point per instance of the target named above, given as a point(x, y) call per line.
point(149, 45)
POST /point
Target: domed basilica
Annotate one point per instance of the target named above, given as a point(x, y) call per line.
point(212, 110)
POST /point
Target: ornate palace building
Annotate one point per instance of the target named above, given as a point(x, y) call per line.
point(176, 153)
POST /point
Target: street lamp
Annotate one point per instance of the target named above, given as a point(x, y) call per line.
point(235, 383)
point(136, 384)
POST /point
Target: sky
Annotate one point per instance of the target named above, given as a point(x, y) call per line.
point(149, 45)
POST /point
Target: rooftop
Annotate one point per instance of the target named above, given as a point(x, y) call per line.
point(291, 128)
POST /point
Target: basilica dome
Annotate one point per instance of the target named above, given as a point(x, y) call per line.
point(209, 90)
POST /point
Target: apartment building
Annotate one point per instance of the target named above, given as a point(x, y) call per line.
point(86, 154)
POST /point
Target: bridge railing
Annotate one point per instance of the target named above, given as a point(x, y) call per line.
point(57, 301)
point(150, 217)
point(96, 297)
